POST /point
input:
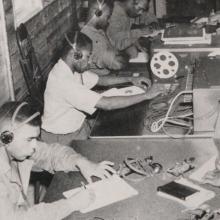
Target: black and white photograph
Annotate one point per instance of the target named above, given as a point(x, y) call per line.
point(109, 109)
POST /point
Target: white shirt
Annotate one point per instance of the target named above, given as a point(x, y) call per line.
point(66, 99)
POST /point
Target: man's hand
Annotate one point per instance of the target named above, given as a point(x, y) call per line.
point(155, 90)
point(156, 33)
point(142, 49)
point(82, 199)
point(101, 170)
point(149, 32)
point(141, 82)
point(212, 178)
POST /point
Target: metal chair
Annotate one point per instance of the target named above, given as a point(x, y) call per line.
point(30, 67)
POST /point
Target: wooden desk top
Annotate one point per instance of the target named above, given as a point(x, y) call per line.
point(147, 205)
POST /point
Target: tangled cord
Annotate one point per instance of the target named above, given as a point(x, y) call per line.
point(168, 109)
point(157, 125)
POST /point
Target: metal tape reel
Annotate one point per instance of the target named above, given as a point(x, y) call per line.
point(164, 65)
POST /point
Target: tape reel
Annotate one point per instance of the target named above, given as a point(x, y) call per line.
point(164, 65)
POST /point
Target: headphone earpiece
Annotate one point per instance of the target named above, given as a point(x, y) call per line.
point(7, 137)
point(77, 55)
point(98, 13)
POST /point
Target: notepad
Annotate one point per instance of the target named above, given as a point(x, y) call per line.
point(127, 91)
point(192, 197)
point(177, 190)
point(107, 191)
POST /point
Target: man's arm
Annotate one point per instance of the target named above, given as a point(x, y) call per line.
point(121, 37)
point(118, 102)
point(55, 157)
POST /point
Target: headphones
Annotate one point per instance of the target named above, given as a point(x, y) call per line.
point(77, 54)
point(99, 12)
point(7, 136)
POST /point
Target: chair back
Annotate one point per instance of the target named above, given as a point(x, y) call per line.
point(30, 67)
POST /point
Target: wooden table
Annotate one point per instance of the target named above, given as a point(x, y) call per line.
point(147, 205)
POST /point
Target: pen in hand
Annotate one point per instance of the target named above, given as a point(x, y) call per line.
point(83, 185)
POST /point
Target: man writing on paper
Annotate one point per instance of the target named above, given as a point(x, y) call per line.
point(122, 36)
point(21, 153)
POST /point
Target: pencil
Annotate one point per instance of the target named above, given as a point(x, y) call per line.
point(83, 185)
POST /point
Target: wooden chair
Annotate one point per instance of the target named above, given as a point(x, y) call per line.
point(30, 67)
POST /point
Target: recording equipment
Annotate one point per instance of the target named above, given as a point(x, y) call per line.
point(164, 65)
point(7, 136)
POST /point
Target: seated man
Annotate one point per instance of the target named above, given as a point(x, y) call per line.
point(68, 96)
point(119, 30)
point(145, 18)
point(104, 56)
point(20, 152)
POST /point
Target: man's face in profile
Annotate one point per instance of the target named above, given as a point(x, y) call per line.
point(141, 6)
point(135, 8)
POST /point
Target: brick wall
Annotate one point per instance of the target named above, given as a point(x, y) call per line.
point(46, 29)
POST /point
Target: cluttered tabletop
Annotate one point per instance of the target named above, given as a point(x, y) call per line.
point(147, 166)
point(157, 178)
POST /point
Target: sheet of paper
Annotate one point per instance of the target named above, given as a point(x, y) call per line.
point(201, 171)
point(127, 91)
point(141, 58)
point(107, 191)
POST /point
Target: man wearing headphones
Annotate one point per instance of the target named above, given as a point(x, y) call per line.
point(104, 56)
point(68, 96)
point(21, 152)
point(146, 17)
point(120, 31)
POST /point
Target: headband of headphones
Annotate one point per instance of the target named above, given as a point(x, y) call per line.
point(73, 45)
point(100, 3)
point(7, 136)
point(77, 53)
point(25, 121)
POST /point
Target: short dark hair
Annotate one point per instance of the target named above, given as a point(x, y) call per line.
point(82, 42)
point(7, 110)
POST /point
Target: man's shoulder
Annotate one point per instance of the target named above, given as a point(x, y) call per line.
point(59, 72)
point(91, 32)
point(42, 148)
point(60, 64)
